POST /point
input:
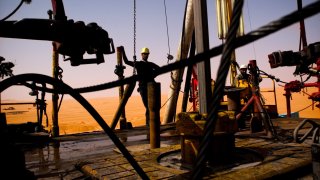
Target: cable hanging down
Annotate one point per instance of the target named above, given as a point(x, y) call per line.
point(16, 9)
point(169, 56)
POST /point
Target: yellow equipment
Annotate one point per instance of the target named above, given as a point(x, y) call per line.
point(145, 50)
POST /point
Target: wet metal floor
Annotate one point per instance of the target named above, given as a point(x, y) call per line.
point(93, 156)
point(57, 159)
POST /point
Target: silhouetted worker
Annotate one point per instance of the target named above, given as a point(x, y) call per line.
point(145, 71)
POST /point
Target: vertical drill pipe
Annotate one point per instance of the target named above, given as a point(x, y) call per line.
point(186, 89)
point(154, 103)
point(223, 69)
point(202, 44)
point(187, 85)
point(121, 88)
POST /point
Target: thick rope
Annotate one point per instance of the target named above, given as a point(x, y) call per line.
point(218, 91)
point(263, 31)
point(252, 36)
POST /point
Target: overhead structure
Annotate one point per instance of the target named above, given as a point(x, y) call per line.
point(177, 75)
point(196, 22)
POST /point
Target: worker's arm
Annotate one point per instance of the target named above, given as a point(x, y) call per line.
point(124, 56)
point(154, 66)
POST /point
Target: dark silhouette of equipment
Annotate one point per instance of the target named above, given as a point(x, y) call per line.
point(70, 38)
point(5, 68)
point(74, 38)
point(304, 61)
point(301, 59)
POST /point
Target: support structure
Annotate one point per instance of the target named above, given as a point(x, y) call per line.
point(58, 14)
point(177, 75)
point(127, 93)
point(154, 104)
point(55, 96)
point(119, 72)
point(202, 44)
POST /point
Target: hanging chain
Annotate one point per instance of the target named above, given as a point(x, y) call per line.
point(169, 56)
point(134, 36)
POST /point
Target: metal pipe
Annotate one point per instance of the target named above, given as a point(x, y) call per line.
point(154, 104)
point(177, 75)
point(202, 44)
point(58, 14)
point(187, 85)
point(127, 93)
point(64, 88)
point(186, 89)
point(55, 96)
point(119, 68)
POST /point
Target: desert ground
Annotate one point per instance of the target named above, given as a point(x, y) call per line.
point(73, 118)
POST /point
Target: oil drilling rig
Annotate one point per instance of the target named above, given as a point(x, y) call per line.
point(207, 135)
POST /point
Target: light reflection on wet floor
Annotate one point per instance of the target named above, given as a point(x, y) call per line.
point(61, 157)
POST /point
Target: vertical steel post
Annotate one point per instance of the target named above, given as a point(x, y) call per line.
point(154, 103)
point(55, 97)
point(202, 44)
point(187, 85)
point(58, 14)
point(120, 67)
point(127, 93)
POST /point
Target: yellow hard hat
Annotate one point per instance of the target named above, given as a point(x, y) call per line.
point(145, 50)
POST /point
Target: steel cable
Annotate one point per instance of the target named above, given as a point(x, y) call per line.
point(218, 92)
point(13, 12)
point(252, 36)
point(263, 31)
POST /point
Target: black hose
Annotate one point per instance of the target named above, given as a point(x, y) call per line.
point(14, 11)
point(68, 90)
